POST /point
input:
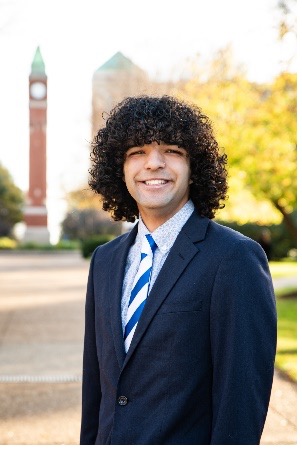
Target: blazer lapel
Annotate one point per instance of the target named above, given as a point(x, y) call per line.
point(179, 257)
point(117, 267)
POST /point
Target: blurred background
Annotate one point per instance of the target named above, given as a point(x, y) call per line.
point(65, 64)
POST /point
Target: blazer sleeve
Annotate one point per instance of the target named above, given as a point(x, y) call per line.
point(91, 388)
point(243, 345)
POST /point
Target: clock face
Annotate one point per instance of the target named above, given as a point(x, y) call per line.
point(38, 90)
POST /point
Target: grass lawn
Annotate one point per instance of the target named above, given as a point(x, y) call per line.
point(283, 269)
point(286, 358)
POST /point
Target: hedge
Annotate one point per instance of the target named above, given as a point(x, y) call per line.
point(89, 244)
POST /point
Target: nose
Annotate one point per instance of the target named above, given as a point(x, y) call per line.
point(155, 160)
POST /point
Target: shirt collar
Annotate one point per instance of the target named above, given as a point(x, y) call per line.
point(166, 234)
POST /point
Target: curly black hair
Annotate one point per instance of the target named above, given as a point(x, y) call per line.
point(142, 120)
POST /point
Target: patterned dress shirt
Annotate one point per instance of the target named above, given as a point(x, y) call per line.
point(164, 236)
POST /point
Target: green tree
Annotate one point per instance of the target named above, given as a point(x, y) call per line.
point(11, 202)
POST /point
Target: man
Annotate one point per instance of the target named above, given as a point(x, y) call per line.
point(180, 331)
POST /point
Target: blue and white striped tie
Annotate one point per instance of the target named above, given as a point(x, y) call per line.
point(140, 289)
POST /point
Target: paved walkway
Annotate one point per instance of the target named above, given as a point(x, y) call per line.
point(41, 334)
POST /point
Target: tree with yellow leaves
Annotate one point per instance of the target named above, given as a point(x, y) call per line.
point(256, 125)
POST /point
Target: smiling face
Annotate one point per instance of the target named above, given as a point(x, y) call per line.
point(157, 176)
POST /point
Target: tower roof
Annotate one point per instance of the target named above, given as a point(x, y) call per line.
point(38, 65)
point(118, 62)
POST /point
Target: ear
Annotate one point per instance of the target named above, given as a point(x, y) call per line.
point(190, 181)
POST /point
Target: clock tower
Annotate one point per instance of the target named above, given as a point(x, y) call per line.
point(35, 213)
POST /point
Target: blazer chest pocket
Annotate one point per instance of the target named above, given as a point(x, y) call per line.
point(181, 303)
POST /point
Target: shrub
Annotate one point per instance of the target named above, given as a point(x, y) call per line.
point(89, 244)
point(7, 243)
point(84, 223)
point(68, 245)
point(36, 246)
point(282, 245)
point(60, 246)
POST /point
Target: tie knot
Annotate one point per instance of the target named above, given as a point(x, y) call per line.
point(151, 242)
point(148, 246)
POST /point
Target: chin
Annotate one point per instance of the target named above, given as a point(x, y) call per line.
point(153, 207)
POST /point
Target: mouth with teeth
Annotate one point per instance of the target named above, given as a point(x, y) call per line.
point(155, 182)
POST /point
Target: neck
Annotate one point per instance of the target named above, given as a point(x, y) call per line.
point(152, 221)
point(156, 216)
point(152, 225)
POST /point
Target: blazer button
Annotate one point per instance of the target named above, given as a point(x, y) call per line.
point(122, 400)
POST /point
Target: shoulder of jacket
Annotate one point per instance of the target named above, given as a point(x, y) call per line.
point(231, 238)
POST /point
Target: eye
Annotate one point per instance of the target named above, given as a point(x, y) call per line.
point(176, 151)
point(134, 153)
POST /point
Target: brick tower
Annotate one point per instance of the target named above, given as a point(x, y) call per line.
point(35, 213)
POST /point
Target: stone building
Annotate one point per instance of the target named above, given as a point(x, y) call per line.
point(118, 78)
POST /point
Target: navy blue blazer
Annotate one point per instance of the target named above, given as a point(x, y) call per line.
point(200, 366)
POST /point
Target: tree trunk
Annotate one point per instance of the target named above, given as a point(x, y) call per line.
point(288, 221)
